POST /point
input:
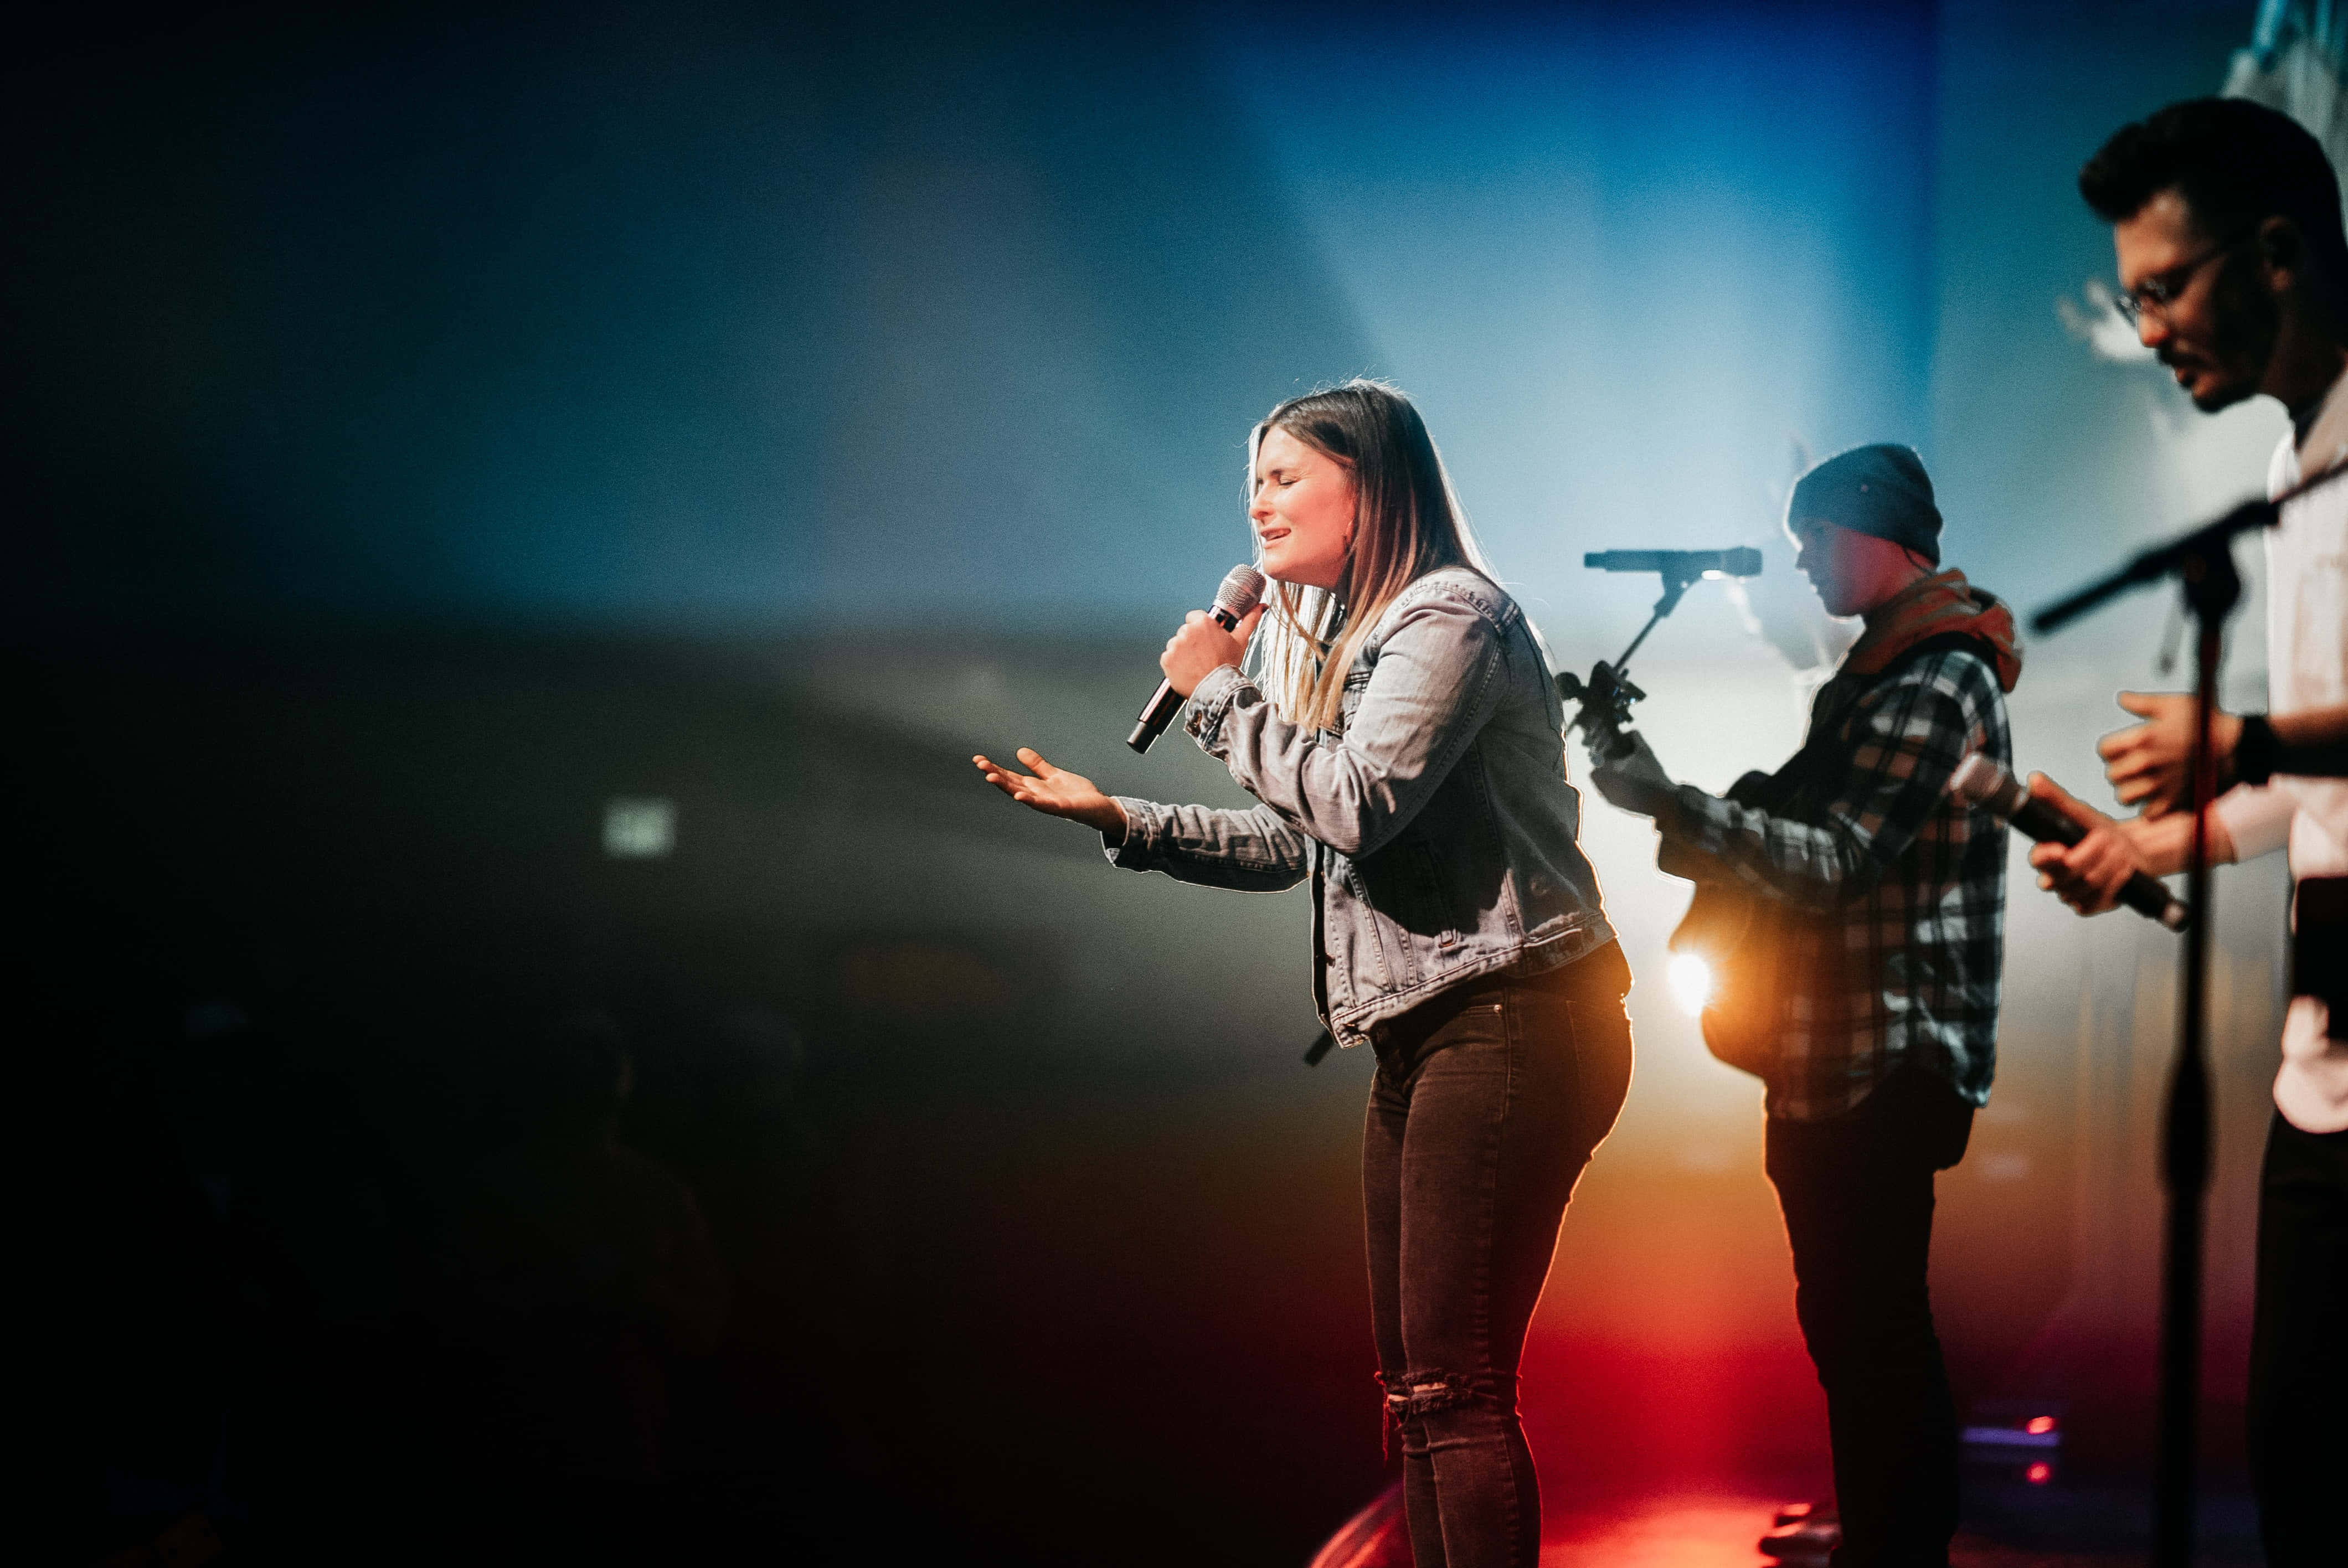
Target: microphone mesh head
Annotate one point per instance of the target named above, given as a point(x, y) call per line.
point(1242, 587)
point(1980, 784)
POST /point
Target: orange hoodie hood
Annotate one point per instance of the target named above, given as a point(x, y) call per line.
point(1936, 606)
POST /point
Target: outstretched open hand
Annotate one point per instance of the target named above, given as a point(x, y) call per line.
point(2151, 764)
point(1056, 792)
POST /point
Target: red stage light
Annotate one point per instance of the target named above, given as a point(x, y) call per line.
point(2040, 1424)
point(2039, 1474)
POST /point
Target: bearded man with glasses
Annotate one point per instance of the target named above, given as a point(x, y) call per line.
point(2233, 265)
point(2147, 304)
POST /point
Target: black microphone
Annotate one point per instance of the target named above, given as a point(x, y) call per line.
point(1686, 565)
point(1241, 587)
point(1982, 784)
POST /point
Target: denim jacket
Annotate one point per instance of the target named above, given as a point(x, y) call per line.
point(1435, 821)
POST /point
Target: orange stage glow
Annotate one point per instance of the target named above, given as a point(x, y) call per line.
point(1690, 979)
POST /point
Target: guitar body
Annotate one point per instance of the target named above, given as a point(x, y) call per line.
point(1742, 937)
point(1736, 933)
point(1731, 930)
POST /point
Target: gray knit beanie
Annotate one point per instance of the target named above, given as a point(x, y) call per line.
point(1881, 490)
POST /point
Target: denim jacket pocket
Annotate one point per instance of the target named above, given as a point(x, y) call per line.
point(1431, 894)
point(1404, 884)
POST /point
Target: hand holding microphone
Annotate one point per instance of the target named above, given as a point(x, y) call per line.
point(1208, 639)
point(2089, 860)
point(1205, 643)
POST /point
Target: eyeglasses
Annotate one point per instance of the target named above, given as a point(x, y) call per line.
point(2155, 295)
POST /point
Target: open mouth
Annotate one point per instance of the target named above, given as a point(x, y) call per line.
point(1270, 537)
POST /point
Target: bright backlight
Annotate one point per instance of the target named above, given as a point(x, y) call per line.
point(1690, 979)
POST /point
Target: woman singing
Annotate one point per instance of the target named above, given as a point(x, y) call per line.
point(1404, 747)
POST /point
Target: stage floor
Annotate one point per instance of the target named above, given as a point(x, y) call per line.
point(1720, 1530)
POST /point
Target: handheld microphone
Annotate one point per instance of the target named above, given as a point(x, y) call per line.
point(1242, 586)
point(1979, 783)
point(1682, 565)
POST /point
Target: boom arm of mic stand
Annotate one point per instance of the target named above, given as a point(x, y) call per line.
point(1618, 691)
point(2178, 554)
point(1675, 587)
point(2162, 559)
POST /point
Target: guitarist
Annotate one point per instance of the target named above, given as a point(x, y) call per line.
point(1867, 978)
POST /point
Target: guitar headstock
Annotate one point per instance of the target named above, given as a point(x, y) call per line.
point(1603, 710)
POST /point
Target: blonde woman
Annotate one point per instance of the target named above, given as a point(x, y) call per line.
point(1402, 735)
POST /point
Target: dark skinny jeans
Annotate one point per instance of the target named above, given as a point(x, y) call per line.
point(1857, 1192)
point(1487, 1101)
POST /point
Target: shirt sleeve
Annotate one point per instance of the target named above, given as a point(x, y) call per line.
point(2257, 818)
point(1438, 677)
point(1912, 736)
point(1253, 851)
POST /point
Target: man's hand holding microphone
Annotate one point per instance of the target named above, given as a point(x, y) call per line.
point(2088, 874)
point(2150, 765)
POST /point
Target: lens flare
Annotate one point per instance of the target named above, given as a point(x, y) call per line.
point(1690, 979)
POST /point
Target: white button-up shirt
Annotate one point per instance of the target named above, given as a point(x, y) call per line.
point(2307, 667)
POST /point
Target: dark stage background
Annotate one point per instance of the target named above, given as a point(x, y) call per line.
point(525, 510)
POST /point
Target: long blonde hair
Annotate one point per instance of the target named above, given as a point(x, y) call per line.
point(1406, 523)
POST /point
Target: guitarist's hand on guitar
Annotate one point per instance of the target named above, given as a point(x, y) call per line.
point(1633, 779)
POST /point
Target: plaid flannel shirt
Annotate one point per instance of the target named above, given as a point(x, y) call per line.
point(1895, 955)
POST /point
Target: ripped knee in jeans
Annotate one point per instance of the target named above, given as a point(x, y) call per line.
point(1412, 1397)
point(1423, 1393)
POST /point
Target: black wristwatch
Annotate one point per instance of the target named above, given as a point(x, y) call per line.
point(2256, 750)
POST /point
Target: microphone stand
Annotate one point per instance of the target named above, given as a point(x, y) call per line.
point(2203, 561)
point(1605, 700)
point(1677, 580)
